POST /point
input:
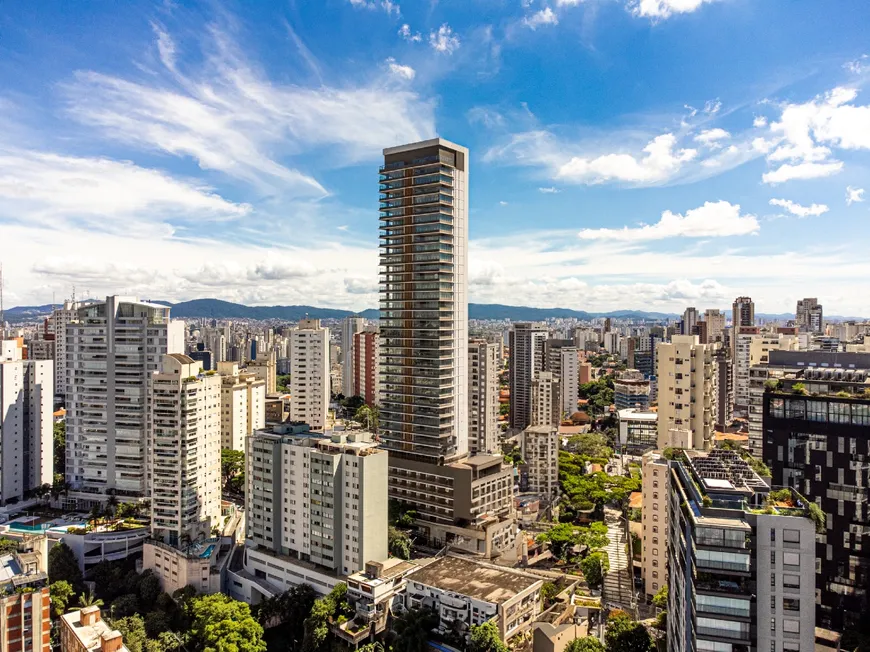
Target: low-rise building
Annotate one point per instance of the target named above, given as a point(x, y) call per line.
point(84, 630)
point(24, 604)
point(638, 429)
point(465, 592)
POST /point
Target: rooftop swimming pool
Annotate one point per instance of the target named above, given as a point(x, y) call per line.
point(207, 553)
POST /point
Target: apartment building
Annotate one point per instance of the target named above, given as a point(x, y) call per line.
point(740, 559)
point(809, 317)
point(316, 498)
point(350, 326)
point(464, 592)
point(185, 450)
point(540, 450)
point(742, 314)
point(25, 604)
point(366, 366)
point(113, 348)
point(715, 321)
point(265, 368)
point(689, 321)
point(725, 387)
point(84, 630)
point(483, 366)
point(816, 439)
point(655, 477)
point(753, 348)
point(58, 322)
point(309, 379)
point(631, 390)
point(26, 423)
point(243, 405)
point(546, 400)
point(687, 392)
point(526, 343)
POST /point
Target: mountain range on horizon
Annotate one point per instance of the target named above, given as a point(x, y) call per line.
point(219, 309)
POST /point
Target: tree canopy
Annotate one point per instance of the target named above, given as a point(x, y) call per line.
point(232, 464)
point(586, 644)
point(626, 635)
point(61, 593)
point(486, 638)
point(413, 629)
point(327, 608)
point(589, 491)
point(399, 543)
point(594, 566)
point(591, 445)
point(63, 566)
point(564, 536)
point(221, 624)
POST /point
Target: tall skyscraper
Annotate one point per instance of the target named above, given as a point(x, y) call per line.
point(26, 391)
point(349, 328)
point(482, 396)
point(715, 320)
point(243, 405)
point(185, 450)
point(690, 320)
point(58, 322)
point(687, 392)
point(546, 400)
point(742, 314)
point(809, 317)
point(424, 300)
point(466, 501)
point(309, 375)
point(366, 362)
point(113, 347)
point(526, 343)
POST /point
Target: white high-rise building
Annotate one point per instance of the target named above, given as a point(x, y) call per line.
point(687, 392)
point(569, 380)
point(113, 348)
point(309, 377)
point(611, 341)
point(316, 498)
point(540, 451)
point(349, 327)
point(243, 405)
point(58, 322)
point(654, 522)
point(715, 320)
point(752, 349)
point(482, 396)
point(546, 400)
point(185, 450)
point(26, 406)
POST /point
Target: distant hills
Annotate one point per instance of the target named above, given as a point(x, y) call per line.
point(217, 309)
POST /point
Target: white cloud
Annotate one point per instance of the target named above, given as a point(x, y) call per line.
point(444, 40)
point(806, 132)
point(101, 194)
point(405, 33)
point(545, 16)
point(857, 66)
point(854, 195)
point(568, 3)
point(549, 191)
point(798, 210)
point(712, 107)
point(406, 72)
point(227, 116)
point(659, 162)
point(390, 7)
point(713, 219)
point(788, 172)
point(664, 8)
point(711, 137)
point(502, 203)
point(759, 122)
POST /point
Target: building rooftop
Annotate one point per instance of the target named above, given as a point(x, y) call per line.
point(93, 634)
point(474, 579)
point(638, 415)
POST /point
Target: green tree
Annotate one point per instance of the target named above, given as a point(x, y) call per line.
point(564, 536)
point(232, 464)
point(63, 566)
point(60, 447)
point(594, 567)
point(8, 546)
point(486, 638)
point(61, 593)
point(549, 591)
point(413, 629)
point(586, 644)
point(149, 588)
point(625, 635)
point(132, 629)
point(89, 600)
point(221, 624)
point(660, 599)
point(327, 608)
point(125, 605)
point(399, 543)
point(591, 445)
point(369, 416)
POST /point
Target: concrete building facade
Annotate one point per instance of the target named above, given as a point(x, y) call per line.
point(483, 366)
point(309, 378)
point(243, 405)
point(546, 400)
point(366, 366)
point(655, 478)
point(526, 343)
point(540, 451)
point(350, 326)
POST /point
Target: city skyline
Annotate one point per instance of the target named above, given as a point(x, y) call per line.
point(230, 154)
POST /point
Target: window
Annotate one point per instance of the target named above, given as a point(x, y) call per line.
point(839, 413)
point(777, 408)
point(791, 559)
point(773, 558)
point(791, 581)
point(791, 604)
point(861, 414)
point(795, 408)
point(791, 536)
point(791, 626)
point(817, 411)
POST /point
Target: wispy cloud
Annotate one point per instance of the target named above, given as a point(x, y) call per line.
point(854, 195)
point(550, 190)
point(545, 16)
point(406, 33)
point(405, 72)
point(660, 9)
point(713, 219)
point(798, 210)
point(444, 40)
point(229, 117)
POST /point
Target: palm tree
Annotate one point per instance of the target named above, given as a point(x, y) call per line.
point(413, 630)
point(111, 505)
point(89, 600)
point(96, 513)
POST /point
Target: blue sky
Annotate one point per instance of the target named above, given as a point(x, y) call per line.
point(646, 154)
